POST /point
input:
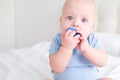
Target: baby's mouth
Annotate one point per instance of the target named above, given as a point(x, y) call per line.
point(77, 34)
point(73, 29)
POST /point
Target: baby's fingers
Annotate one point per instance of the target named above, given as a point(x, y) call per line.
point(69, 33)
point(77, 38)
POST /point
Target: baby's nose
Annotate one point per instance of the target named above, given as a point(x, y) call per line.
point(76, 23)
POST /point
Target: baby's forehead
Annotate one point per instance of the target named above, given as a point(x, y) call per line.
point(78, 14)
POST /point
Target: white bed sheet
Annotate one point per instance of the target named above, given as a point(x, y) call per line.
point(112, 68)
point(32, 63)
point(26, 63)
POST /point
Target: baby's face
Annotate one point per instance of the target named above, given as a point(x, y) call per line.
point(79, 14)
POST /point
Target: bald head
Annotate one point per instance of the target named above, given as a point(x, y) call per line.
point(80, 6)
point(78, 3)
point(79, 14)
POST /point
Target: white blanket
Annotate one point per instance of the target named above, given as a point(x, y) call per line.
point(33, 64)
point(112, 68)
point(26, 64)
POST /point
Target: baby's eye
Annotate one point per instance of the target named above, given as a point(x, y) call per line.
point(70, 18)
point(84, 20)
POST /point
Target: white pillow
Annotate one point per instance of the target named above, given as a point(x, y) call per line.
point(111, 43)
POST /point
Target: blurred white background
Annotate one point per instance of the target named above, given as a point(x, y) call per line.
point(24, 23)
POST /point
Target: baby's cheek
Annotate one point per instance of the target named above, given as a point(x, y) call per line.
point(64, 29)
point(64, 26)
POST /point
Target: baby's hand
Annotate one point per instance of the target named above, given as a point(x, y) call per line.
point(83, 44)
point(69, 39)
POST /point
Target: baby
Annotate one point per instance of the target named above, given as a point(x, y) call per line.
point(76, 52)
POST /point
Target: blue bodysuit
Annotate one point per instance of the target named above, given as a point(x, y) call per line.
point(79, 68)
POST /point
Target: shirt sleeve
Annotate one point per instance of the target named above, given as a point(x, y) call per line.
point(95, 42)
point(55, 44)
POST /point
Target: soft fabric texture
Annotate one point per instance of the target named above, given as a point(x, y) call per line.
point(32, 63)
point(111, 43)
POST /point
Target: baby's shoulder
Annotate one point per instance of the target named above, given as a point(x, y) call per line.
point(92, 38)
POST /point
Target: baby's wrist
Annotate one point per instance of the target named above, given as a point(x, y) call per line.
point(66, 48)
point(85, 46)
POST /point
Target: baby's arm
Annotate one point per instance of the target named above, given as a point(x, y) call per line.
point(95, 56)
point(60, 59)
